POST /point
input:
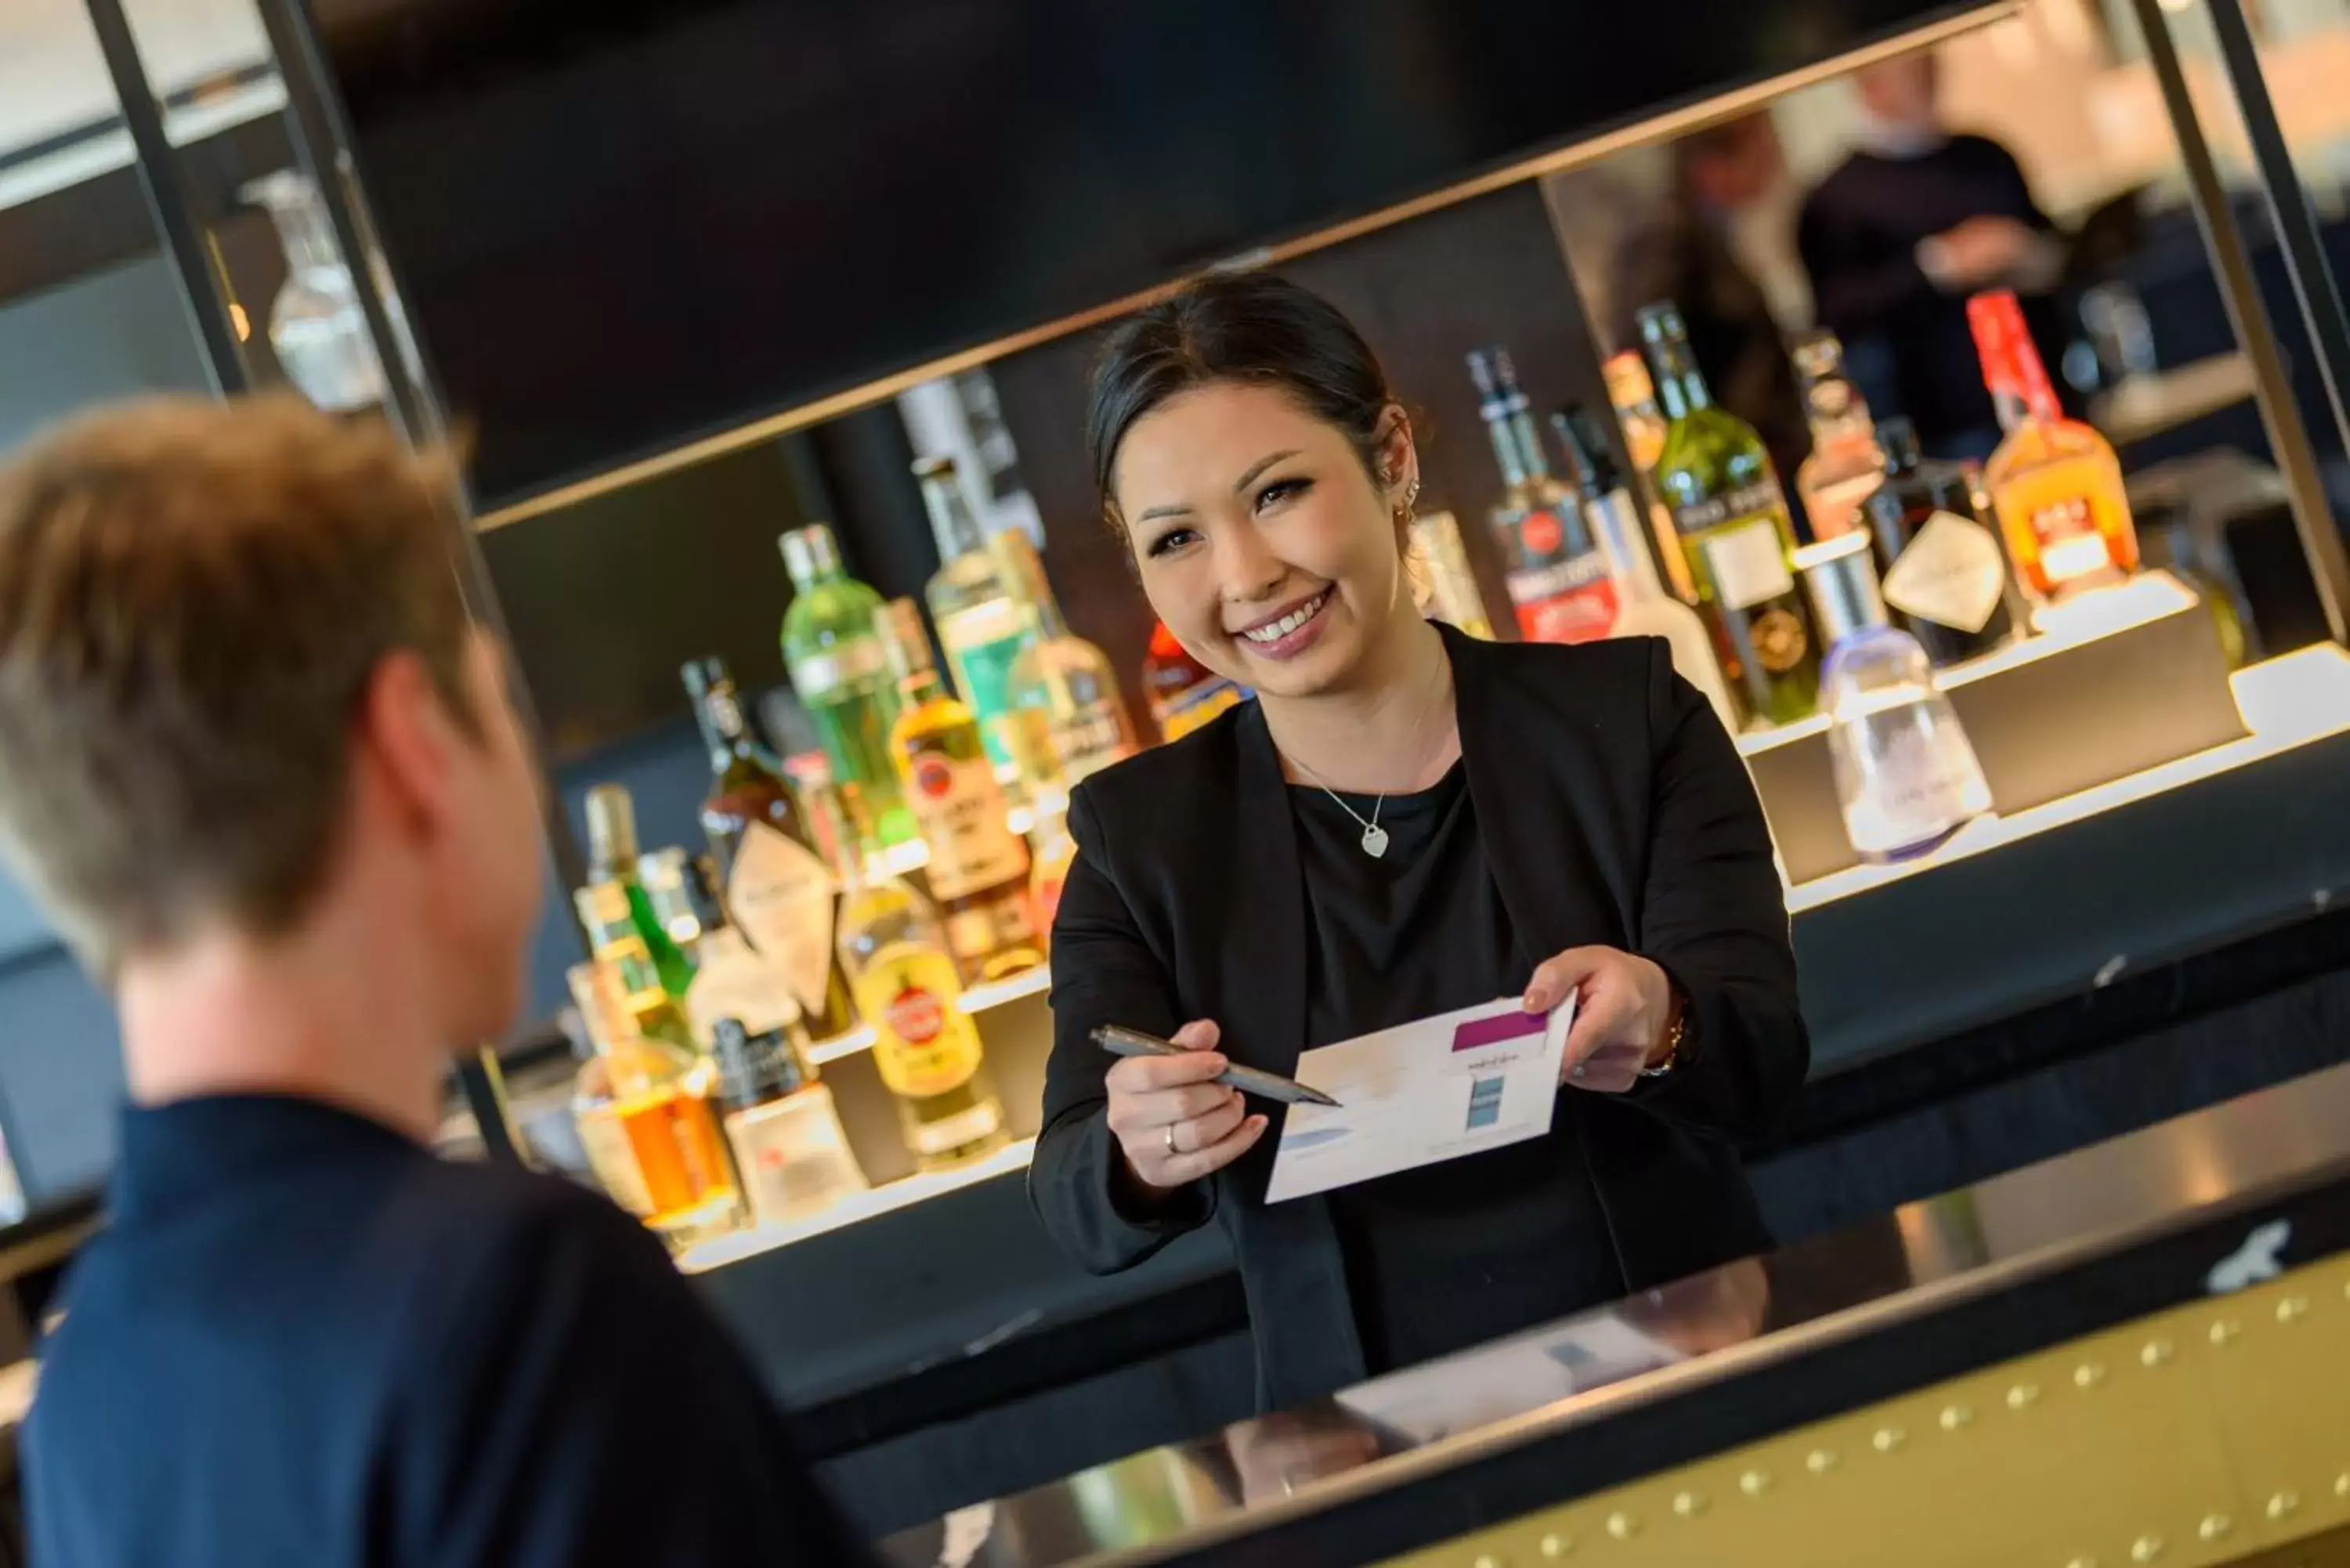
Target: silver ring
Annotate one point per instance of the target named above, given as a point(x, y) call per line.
point(1171, 1137)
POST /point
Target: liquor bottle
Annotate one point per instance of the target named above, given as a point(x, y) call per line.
point(668, 877)
point(977, 610)
point(642, 1110)
point(612, 857)
point(1905, 775)
point(832, 650)
point(792, 1159)
point(1053, 850)
point(1063, 685)
point(1643, 608)
point(1633, 396)
point(978, 869)
point(2053, 482)
point(1845, 464)
point(738, 981)
point(777, 892)
point(1184, 693)
point(1734, 525)
point(1944, 576)
point(1442, 586)
point(317, 326)
point(926, 1047)
point(1557, 575)
point(614, 938)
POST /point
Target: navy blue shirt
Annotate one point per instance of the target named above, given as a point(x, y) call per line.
point(303, 1342)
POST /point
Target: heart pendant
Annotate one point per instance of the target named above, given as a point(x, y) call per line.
point(1374, 841)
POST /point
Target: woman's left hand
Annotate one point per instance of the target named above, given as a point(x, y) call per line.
point(1623, 1014)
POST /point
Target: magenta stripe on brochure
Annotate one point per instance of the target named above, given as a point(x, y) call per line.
point(1480, 1032)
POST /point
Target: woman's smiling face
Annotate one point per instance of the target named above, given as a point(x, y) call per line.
point(1261, 539)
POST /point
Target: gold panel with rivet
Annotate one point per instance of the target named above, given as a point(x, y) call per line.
point(2193, 1436)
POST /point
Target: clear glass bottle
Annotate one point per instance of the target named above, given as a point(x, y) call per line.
point(1643, 608)
point(978, 869)
point(315, 326)
point(926, 1047)
point(1443, 585)
point(832, 647)
point(1063, 686)
point(2055, 482)
point(1845, 464)
point(1716, 475)
point(1557, 575)
point(978, 611)
point(792, 1158)
point(1905, 772)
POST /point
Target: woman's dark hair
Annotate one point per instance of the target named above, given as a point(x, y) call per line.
point(1235, 327)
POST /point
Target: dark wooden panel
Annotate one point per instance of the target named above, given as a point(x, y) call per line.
point(1424, 293)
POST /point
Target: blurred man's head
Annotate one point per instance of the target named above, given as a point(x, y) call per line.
point(241, 701)
point(1727, 166)
point(1903, 93)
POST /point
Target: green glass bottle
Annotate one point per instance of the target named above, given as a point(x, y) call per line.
point(841, 670)
point(1717, 478)
point(612, 861)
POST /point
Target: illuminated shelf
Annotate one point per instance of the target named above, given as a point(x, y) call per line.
point(997, 993)
point(736, 1245)
point(858, 1039)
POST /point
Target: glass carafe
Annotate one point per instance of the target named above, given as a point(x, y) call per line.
point(315, 325)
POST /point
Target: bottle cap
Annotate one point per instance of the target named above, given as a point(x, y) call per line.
point(1481, 371)
point(754, 1070)
point(1628, 382)
point(703, 675)
point(1897, 439)
point(809, 553)
point(1840, 579)
point(1662, 323)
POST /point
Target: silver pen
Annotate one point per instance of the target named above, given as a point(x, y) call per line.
point(1120, 1041)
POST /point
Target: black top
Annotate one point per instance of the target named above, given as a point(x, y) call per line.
point(1859, 235)
point(303, 1342)
point(1618, 813)
point(1470, 1250)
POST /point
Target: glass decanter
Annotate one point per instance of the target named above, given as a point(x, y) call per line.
point(315, 325)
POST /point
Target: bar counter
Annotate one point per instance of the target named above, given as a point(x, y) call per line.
point(2140, 1350)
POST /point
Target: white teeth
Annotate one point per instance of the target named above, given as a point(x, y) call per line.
point(1286, 624)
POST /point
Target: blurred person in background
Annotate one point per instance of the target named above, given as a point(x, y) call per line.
point(1406, 821)
point(1717, 251)
point(261, 773)
point(1914, 220)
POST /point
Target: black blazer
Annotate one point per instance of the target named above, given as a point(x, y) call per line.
point(1186, 901)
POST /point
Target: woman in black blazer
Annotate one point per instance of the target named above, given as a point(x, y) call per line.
point(1406, 821)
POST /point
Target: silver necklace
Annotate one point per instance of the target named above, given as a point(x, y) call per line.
point(1375, 837)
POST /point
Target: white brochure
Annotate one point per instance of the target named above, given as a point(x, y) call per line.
point(1461, 1083)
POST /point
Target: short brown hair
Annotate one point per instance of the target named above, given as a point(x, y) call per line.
point(193, 596)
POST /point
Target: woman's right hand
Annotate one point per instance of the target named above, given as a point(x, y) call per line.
point(1174, 1122)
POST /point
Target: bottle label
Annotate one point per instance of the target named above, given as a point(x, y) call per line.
point(1087, 739)
point(783, 897)
point(1760, 498)
point(975, 933)
point(847, 666)
point(1748, 563)
point(1951, 573)
point(927, 1044)
point(612, 932)
point(982, 642)
point(960, 811)
point(1195, 705)
point(2070, 544)
point(734, 981)
point(948, 1134)
point(794, 1157)
point(1779, 639)
point(1573, 601)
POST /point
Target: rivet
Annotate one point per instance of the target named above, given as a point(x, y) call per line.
point(2225, 1331)
point(1754, 1483)
point(2146, 1549)
point(2022, 1397)
point(1889, 1438)
point(2089, 1375)
point(1557, 1545)
point(2214, 1526)
point(2283, 1505)
point(1689, 1504)
point(2293, 1309)
point(1957, 1418)
point(1820, 1461)
point(1623, 1526)
point(2155, 1352)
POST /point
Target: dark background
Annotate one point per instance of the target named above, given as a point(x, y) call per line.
point(623, 223)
